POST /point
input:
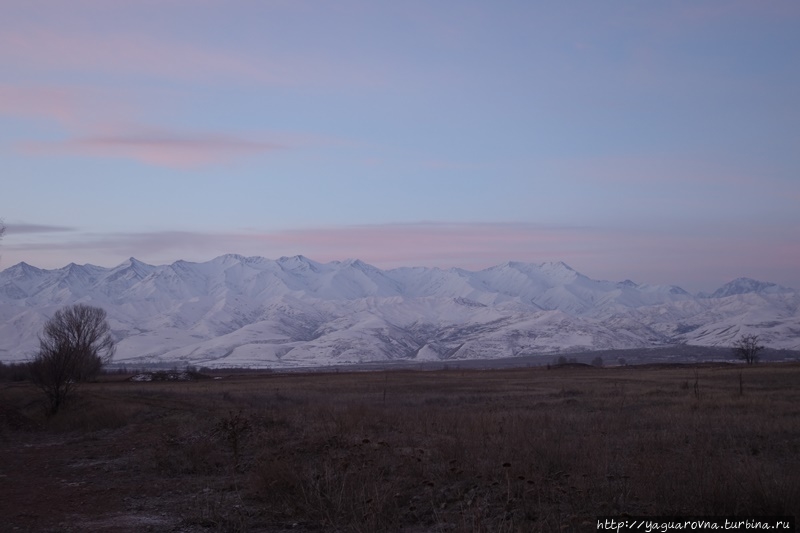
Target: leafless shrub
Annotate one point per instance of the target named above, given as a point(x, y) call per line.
point(747, 348)
point(73, 347)
point(232, 429)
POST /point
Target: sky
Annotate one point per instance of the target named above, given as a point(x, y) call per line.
point(651, 141)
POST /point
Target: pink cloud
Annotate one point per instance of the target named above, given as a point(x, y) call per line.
point(49, 103)
point(96, 124)
point(466, 245)
point(158, 148)
point(473, 245)
point(704, 259)
point(74, 108)
point(127, 54)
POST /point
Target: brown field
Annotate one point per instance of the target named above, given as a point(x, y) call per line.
point(460, 450)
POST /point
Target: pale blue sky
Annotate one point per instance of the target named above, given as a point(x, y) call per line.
point(657, 141)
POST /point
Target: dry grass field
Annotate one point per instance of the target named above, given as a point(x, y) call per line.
point(510, 450)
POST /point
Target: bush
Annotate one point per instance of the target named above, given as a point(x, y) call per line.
point(73, 347)
point(15, 372)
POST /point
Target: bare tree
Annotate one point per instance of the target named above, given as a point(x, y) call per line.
point(73, 347)
point(747, 348)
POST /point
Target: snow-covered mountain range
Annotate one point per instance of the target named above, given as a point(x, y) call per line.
point(257, 312)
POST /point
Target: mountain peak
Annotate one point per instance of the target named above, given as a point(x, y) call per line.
point(556, 266)
point(295, 258)
point(547, 266)
point(745, 286)
point(74, 268)
point(22, 269)
point(357, 263)
point(229, 258)
point(132, 262)
point(298, 262)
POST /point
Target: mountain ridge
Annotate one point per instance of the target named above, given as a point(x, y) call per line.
point(293, 311)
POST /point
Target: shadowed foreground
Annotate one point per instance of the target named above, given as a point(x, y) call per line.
point(506, 450)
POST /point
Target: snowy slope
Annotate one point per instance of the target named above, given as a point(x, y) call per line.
point(293, 311)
